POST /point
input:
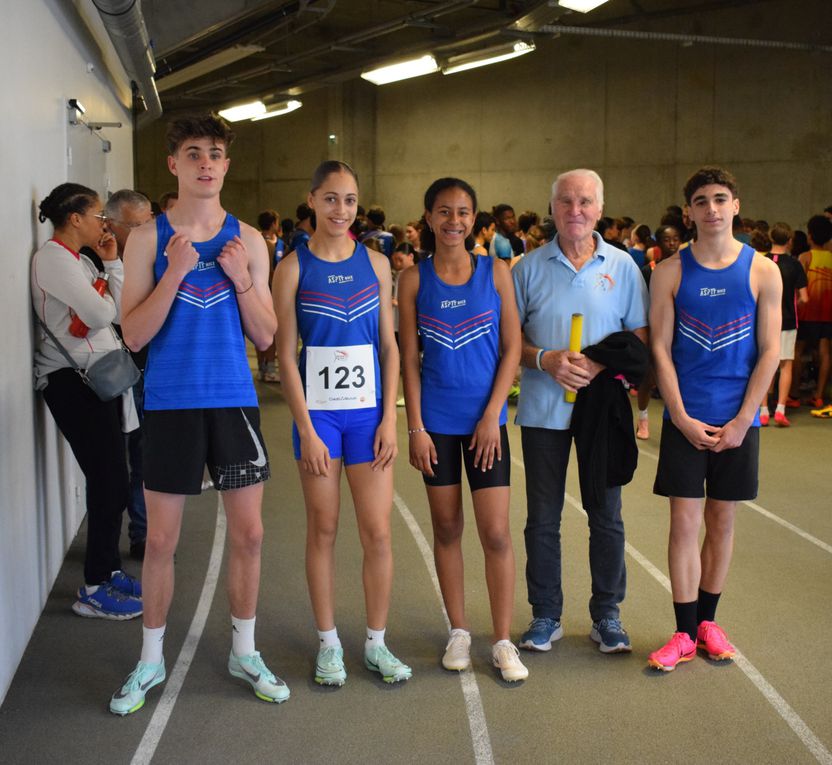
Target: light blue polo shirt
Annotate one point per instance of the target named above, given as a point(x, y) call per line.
point(609, 291)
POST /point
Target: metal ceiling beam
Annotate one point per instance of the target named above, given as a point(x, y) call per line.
point(365, 35)
point(254, 32)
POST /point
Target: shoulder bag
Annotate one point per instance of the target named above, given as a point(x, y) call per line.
point(110, 376)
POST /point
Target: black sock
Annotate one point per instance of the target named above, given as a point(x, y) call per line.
point(706, 610)
point(686, 618)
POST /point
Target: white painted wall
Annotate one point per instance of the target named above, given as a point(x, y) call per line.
point(44, 59)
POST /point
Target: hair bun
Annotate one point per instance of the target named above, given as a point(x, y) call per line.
point(45, 208)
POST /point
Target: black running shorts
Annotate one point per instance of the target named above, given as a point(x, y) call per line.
point(452, 451)
point(177, 444)
point(685, 471)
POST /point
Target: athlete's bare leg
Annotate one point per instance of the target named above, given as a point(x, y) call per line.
point(322, 495)
point(372, 494)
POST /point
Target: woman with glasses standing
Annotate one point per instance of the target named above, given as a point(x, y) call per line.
point(80, 318)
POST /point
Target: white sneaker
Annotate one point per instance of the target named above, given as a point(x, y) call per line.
point(506, 658)
point(457, 656)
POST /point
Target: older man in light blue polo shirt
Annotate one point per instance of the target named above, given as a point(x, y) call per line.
point(577, 272)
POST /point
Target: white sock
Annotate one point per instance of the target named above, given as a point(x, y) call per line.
point(152, 644)
point(781, 409)
point(374, 637)
point(91, 588)
point(329, 638)
point(242, 636)
point(643, 414)
point(764, 410)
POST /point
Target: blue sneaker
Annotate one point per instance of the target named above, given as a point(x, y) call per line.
point(540, 635)
point(610, 636)
point(130, 697)
point(127, 584)
point(253, 669)
point(106, 603)
point(329, 666)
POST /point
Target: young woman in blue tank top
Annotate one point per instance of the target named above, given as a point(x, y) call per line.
point(337, 298)
point(463, 307)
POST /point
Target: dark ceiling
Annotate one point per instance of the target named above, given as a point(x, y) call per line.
point(294, 47)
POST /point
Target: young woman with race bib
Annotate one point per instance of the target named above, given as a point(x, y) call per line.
point(336, 296)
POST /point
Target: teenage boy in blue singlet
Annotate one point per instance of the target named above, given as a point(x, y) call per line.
point(194, 277)
point(715, 331)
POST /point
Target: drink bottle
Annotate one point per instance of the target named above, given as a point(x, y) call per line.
point(77, 328)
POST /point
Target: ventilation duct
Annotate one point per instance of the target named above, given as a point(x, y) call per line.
point(626, 34)
point(124, 22)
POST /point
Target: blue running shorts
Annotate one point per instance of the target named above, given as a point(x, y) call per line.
point(348, 434)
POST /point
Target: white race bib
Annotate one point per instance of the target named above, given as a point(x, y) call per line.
point(340, 377)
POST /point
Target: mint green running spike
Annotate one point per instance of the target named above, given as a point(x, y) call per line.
point(254, 671)
point(329, 666)
point(130, 697)
point(379, 659)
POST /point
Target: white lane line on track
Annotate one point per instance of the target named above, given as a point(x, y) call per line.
point(176, 678)
point(769, 692)
point(790, 526)
point(470, 690)
point(771, 516)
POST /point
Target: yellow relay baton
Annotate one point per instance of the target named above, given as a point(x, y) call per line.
point(574, 345)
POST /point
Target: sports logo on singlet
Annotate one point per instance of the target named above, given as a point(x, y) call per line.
point(715, 338)
point(204, 298)
point(342, 309)
point(455, 336)
point(201, 265)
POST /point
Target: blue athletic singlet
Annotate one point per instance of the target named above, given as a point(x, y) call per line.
point(337, 306)
point(197, 360)
point(299, 237)
point(714, 341)
point(460, 328)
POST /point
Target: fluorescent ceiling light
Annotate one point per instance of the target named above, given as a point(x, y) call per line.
point(415, 67)
point(206, 65)
point(243, 111)
point(492, 55)
point(582, 6)
point(284, 107)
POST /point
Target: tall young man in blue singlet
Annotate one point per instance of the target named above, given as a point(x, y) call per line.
point(196, 279)
point(715, 329)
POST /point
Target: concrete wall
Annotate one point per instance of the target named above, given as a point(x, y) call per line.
point(642, 113)
point(46, 54)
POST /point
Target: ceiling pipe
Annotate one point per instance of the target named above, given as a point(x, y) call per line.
point(686, 39)
point(124, 22)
